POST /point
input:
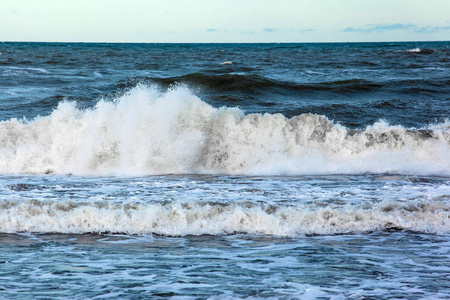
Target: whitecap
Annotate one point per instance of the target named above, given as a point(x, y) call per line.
point(147, 131)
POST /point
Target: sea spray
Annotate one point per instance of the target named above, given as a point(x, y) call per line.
point(147, 131)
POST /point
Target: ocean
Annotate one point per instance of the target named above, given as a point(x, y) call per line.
point(225, 171)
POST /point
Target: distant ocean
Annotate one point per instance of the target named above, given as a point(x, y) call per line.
point(225, 171)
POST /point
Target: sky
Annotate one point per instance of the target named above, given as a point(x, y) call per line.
point(204, 21)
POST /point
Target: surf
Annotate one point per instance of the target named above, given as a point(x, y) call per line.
point(148, 131)
point(183, 218)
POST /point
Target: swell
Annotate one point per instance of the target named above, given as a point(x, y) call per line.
point(147, 131)
point(253, 83)
point(199, 218)
point(257, 84)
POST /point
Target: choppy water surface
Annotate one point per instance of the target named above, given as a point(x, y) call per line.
point(376, 265)
point(225, 171)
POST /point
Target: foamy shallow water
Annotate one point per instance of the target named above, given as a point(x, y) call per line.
point(225, 237)
point(382, 265)
point(216, 205)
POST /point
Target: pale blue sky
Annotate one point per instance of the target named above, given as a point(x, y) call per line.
point(224, 20)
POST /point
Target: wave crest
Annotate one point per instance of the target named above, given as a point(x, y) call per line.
point(147, 131)
point(197, 218)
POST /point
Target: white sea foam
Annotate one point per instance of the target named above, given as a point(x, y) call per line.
point(421, 51)
point(147, 131)
point(26, 70)
point(199, 218)
point(98, 74)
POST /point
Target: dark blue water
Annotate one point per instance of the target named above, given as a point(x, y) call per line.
point(354, 84)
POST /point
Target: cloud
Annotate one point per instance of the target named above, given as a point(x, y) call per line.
point(399, 26)
point(430, 29)
point(381, 27)
point(272, 30)
point(212, 30)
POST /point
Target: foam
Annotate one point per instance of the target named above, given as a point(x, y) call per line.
point(197, 218)
point(146, 131)
point(19, 70)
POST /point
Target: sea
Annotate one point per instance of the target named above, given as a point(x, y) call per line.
point(225, 171)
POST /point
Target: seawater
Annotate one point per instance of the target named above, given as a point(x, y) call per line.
point(225, 171)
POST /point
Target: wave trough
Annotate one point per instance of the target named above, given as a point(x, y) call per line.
point(147, 131)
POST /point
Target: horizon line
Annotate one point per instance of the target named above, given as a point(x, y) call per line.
point(321, 42)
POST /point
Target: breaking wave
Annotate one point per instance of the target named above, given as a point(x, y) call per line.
point(199, 218)
point(421, 51)
point(147, 131)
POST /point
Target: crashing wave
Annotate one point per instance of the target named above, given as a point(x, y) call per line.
point(147, 131)
point(200, 218)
